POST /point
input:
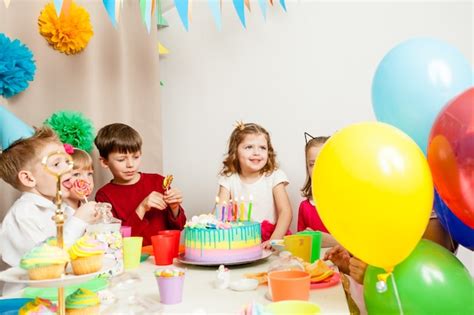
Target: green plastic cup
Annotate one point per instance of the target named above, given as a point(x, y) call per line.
point(316, 239)
point(132, 250)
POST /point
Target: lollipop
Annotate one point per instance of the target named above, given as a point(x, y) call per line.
point(82, 188)
point(167, 182)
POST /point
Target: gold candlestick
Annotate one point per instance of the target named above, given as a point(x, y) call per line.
point(58, 163)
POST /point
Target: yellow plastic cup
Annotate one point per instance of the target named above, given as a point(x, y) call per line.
point(316, 239)
point(293, 307)
point(132, 249)
point(299, 245)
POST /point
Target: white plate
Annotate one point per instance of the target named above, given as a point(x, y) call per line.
point(19, 275)
point(265, 254)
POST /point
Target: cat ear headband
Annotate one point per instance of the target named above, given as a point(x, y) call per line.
point(308, 137)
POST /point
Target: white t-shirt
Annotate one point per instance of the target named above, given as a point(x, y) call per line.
point(28, 222)
point(263, 203)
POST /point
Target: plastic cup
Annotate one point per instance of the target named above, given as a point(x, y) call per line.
point(289, 285)
point(163, 248)
point(293, 307)
point(126, 231)
point(316, 239)
point(176, 235)
point(299, 245)
point(171, 289)
point(132, 249)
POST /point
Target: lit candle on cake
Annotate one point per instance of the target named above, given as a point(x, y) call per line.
point(249, 217)
point(223, 211)
point(216, 208)
point(242, 209)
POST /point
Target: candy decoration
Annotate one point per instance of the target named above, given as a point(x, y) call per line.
point(82, 188)
point(167, 182)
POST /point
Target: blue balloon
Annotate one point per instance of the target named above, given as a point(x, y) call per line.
point(460, 232)
point(414, 81)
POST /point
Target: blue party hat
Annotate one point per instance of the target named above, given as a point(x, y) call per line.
point(12, 128)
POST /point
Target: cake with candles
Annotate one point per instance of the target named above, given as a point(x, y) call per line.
point(226, 236)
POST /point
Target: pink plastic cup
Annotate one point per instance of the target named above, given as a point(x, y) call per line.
point(126, 231)
point(176, 235)
point(163, 249)
point(171, 289)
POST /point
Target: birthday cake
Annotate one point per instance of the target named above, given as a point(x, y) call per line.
point(208, 240)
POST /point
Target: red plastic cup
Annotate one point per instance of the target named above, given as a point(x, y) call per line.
point(177, 235)
point(163, 249)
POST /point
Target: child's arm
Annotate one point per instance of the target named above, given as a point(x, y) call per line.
point(223, 194)
point(284, 212)
point(173, 197)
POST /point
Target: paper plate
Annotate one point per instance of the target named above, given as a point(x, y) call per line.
point(335, 279)
point(11, 306)
point(94, 285)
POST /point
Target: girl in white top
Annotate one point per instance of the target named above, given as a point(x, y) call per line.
point(250, 171)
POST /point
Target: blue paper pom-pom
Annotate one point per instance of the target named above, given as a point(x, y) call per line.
point(17, 66)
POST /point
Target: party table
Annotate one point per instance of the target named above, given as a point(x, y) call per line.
point(137, 290)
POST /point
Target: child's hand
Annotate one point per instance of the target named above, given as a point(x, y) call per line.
point(357, 269)
point(173, 197)
point(340, 257)
point(266, 245)
point(87, 212)
point(154, 200)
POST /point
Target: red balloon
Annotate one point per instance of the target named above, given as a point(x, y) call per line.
point(451, 155)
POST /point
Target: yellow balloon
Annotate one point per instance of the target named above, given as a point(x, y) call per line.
point(374, 192)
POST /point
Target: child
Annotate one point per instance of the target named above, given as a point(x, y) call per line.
point(81, 171)
point(308, 217)
point(28, 221)
point(250, 169)
point(138, 199)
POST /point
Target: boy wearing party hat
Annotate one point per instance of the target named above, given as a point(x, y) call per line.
point(28, 220)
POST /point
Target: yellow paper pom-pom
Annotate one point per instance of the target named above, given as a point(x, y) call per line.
point(69, 33)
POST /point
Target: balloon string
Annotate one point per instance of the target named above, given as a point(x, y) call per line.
point(396, 294)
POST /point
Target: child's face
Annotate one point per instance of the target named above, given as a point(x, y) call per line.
point(252, 153)
point(311, 156)
point(124, 166)
point(44, 182)
point(85, 174)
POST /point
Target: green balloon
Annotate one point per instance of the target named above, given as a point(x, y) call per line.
point(430, 281)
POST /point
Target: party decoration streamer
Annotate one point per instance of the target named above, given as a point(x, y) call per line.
point(183, 7)
point(239, 8)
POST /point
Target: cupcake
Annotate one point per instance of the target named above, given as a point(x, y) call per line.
point(44, 261)
point(82, 301)
point(86, 255)
point(38, 306)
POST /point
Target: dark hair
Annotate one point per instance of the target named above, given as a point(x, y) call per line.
point(119, 138)
point(231, 161)
point(23, 153)
point(306, 190)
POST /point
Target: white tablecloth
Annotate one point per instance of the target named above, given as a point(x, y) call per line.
point(133, 289)
point(201, 297)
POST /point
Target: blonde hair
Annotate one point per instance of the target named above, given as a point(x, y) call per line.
point(23, 153)
point(231, 161)
point(82, 160)
point(314, 142)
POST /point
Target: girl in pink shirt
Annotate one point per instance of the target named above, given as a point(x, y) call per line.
point(308, 217)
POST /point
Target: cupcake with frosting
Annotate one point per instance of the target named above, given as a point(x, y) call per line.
point(44, 261)
point(38, 306)
point(86, 255)
point(82, 302)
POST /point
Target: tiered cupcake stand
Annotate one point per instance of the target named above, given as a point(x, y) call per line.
point(57, 164)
